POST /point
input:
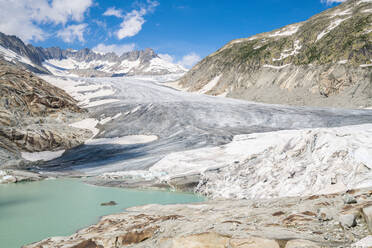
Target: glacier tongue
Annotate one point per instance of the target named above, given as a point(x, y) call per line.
point(278, 164)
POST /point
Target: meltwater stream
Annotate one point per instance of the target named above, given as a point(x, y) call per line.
point(33, 211)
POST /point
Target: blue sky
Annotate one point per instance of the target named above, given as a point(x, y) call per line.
point(174, 28)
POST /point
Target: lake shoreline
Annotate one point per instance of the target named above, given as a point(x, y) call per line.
point(62, 206)
point(279, 222)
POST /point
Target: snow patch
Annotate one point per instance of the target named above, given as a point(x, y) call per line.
point(367, 11)
point(286, 31)
point(276, 67)
point(45, 156)
point(11, 56)
point(332, 26)
point(82, 92)
point(125, 140)
point(100, 102)
point(89, 123)
point(364, 1)
point(286, 53)
point(108, 119)
point(366, 65)
point(71, 64)
point(348, 11)
point(135, 109)
point(158, 65)
point(210, 85)
point(127, 66)
point(363, 243)
point(122, 175)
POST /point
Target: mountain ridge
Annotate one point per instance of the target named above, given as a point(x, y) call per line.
point(315, 62)
point(68, 61)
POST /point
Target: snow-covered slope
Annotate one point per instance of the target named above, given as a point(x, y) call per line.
point(278, 164)
point(11, 56)
point(20, 60)
point(138, 66)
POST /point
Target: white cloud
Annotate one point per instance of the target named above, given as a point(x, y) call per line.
point(189, 60)
point(72, 32)
point(18, 21)
point(22, 17)
point(113, 12)
point(133, 21)
point(131, 25)
point(118, 49)
point(332, 1)
point(59, 11)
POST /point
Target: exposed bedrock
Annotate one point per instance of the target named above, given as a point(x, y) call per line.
point(34, 115)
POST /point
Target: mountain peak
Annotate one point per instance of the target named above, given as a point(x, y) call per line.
point(84, 62)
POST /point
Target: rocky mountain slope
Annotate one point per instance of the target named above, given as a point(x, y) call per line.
point(34, 116)
point(324, 61)
point(14, 50)
point(84, 62)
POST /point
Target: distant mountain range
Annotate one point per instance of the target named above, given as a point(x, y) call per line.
point(324, 61)
point(84, 62)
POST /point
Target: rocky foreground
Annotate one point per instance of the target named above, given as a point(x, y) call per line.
point(333, 220)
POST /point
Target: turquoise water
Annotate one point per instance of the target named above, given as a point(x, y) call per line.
point(33, 211)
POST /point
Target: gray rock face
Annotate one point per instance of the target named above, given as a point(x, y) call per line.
point(312, 63)
point(16, 45)
point(34, 115)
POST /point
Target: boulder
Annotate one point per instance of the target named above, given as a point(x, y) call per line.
point(203, 240)
point(367, 213)
point(363, 243)
point(347, 221)
point(214, 240)
point(8, 179)
point(349, 199)
point(253, 242)
point(110, 203)
point(300, 243)
point(324, 214)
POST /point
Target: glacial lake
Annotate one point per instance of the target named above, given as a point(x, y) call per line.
point(33, 211)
